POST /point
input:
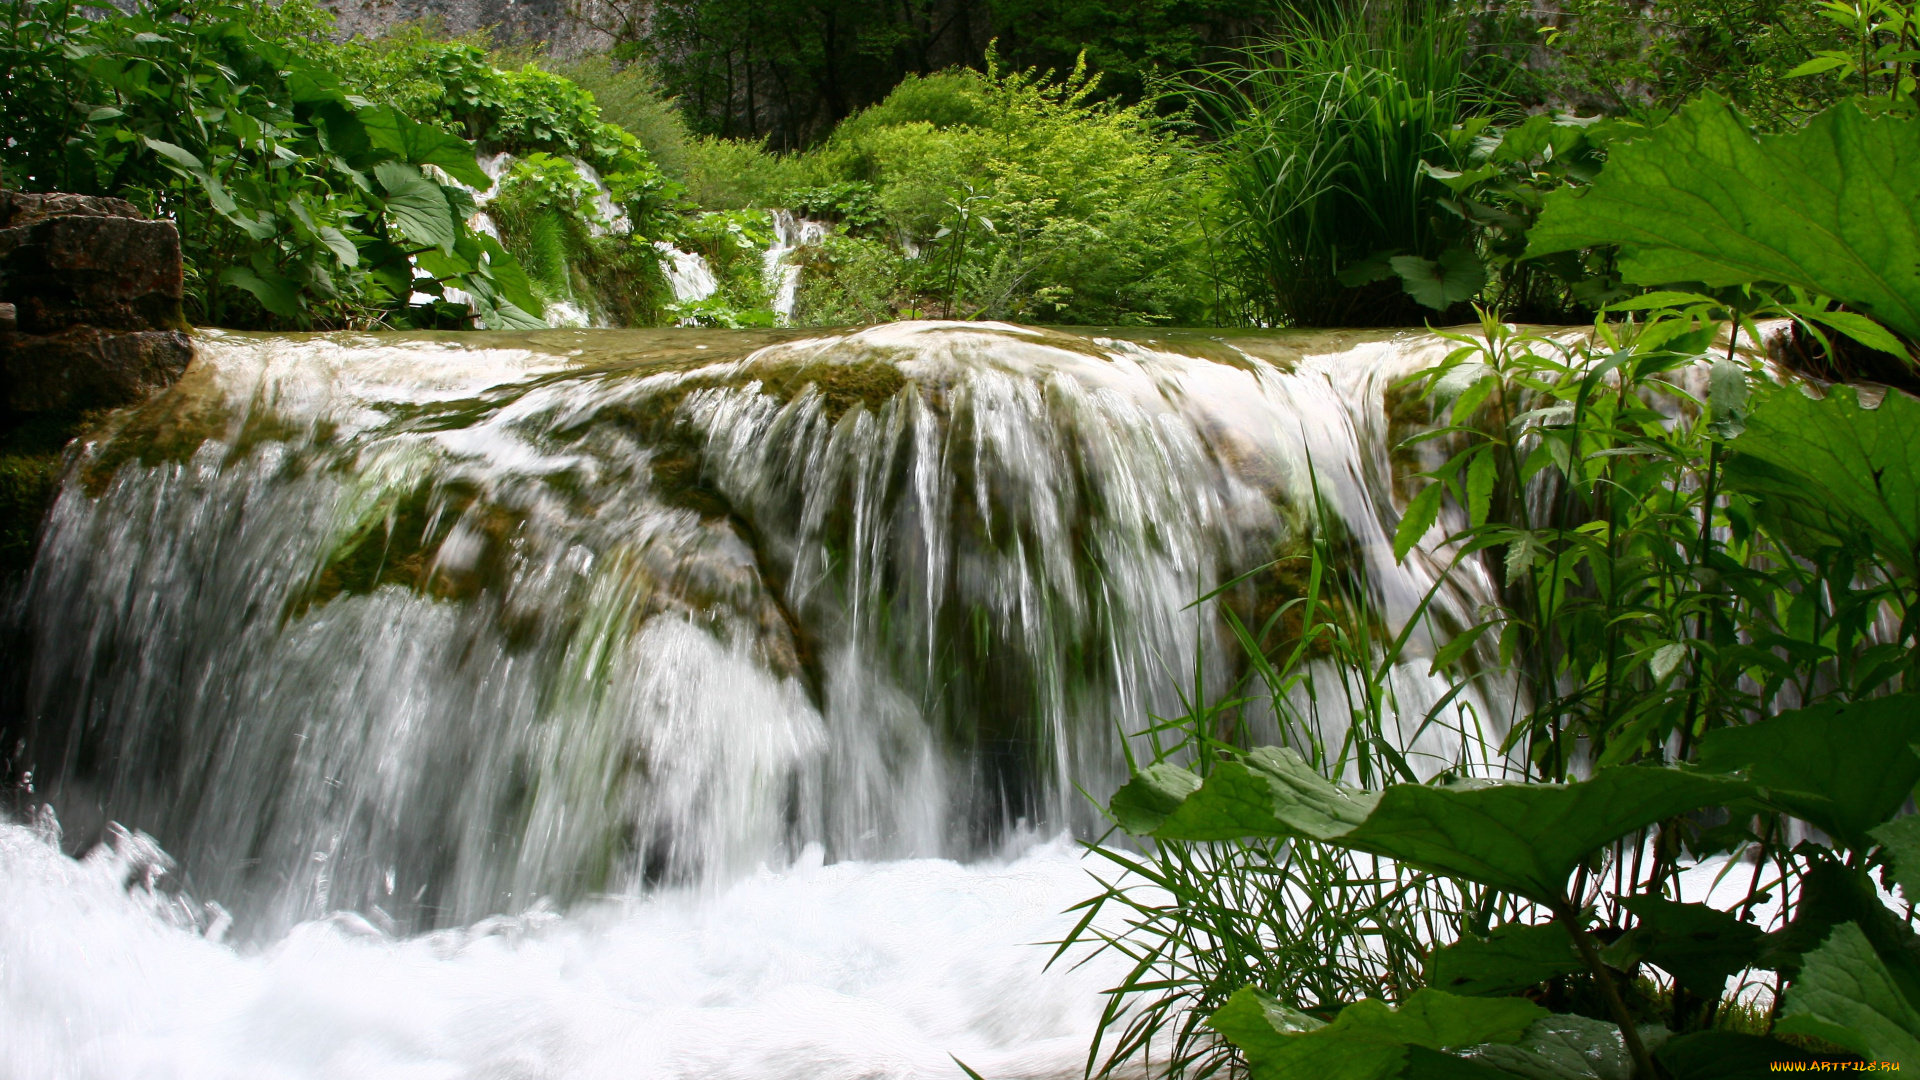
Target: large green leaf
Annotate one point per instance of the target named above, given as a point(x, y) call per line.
point(278, 294)
point(1523, 838)
point(1369, 1040)
point(1725, 1055)
point(422, 144)
point(1901, 838)
point(1566, 1047)
point(1846, 995)
point(1700, 946)
point(1831, 207)
point(418, 208)
point(1513, 957)
point(1833, 472)
point(1844, 767)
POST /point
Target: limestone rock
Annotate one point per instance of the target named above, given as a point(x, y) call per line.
point(71, 260)
point(93, 289)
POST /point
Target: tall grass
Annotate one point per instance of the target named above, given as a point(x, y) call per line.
point(1321, 134)
point(1314, 926)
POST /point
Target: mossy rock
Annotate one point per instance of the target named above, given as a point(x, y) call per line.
point(28, 484)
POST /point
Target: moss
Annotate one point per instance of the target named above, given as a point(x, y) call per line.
point(869, 384)
point(28, 483)
point(399, 543)
point(166, 428)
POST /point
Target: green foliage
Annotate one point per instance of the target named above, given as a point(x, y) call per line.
point(1520, 838)
point(1707, 594)
point(1846, 995)
point(1326, 139)
point(1369, 1040)
point(1829, 209)
point(1513, 957)
point(631, 97)
point(1028, 199)
point(1647, 60)
point(1843, 766)
point(299, 204)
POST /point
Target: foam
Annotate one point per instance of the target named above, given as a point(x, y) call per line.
point(845, 972)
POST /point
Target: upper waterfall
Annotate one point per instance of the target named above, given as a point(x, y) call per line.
point(437, 626)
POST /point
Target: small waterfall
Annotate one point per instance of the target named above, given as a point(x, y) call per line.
point(782, 277)
point(691, 277)
point(445, 629)
point(402, 632)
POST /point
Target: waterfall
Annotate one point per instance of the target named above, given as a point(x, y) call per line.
point(439, 631)
point(688, 273)
point(783, 277)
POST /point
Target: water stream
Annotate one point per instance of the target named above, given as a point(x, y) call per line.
point(662, 703)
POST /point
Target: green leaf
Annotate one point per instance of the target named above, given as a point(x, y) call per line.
point(1831, 472)
point(417, 207)
point(337, 242)
point(1513, 957)
point(1259, 1024)
point(1457, 275)
point(1422, 512)
point(1480, 477)
point(420, 144)
point(1819, 64)
point(179, 155)
point(1858, 327)
point(1369, 1040)
point(1846, 995)
point(1844, 767)
point(1725, 1055)
point(1727, 399)
point(1372, 268)
point(1521, 837)
point(1698, 945)
point(1565, 1048)
point(277, 294)
point(1901, 838)
point(1830, 207)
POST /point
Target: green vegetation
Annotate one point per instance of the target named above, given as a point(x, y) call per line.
point(1702, 644)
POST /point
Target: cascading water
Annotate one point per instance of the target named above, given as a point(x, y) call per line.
point(687, 273)
point(790, 233)
point(443, 628)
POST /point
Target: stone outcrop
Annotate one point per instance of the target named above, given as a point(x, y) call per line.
point(95, 290)
point(90, 318)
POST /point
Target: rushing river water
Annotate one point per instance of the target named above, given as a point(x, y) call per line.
point(639, 703)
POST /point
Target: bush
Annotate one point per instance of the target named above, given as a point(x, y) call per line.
point(1026, 198)
point(1324, 137)
point(299, 205)
point(630, 97)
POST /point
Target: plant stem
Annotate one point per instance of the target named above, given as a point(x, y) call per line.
point(1643, 1066)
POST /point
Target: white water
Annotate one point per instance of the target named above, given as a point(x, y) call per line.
point(688, 274)
point(433, 628)
point(790, 233)
point(848, 971)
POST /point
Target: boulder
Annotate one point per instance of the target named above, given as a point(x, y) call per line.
point(90, 318)
point(90, 293)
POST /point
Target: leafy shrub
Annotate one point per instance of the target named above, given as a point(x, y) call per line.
point(298, 204)
point(1705, 585)
point(849, 280)
point(1026, 198)
point(728, 174)
point(630, 97)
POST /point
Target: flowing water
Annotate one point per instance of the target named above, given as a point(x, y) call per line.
point(661, 703)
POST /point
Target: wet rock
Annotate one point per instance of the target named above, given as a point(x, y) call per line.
point(71, 260)
point(94, 290)
point(84, 367)
point(90, 319)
